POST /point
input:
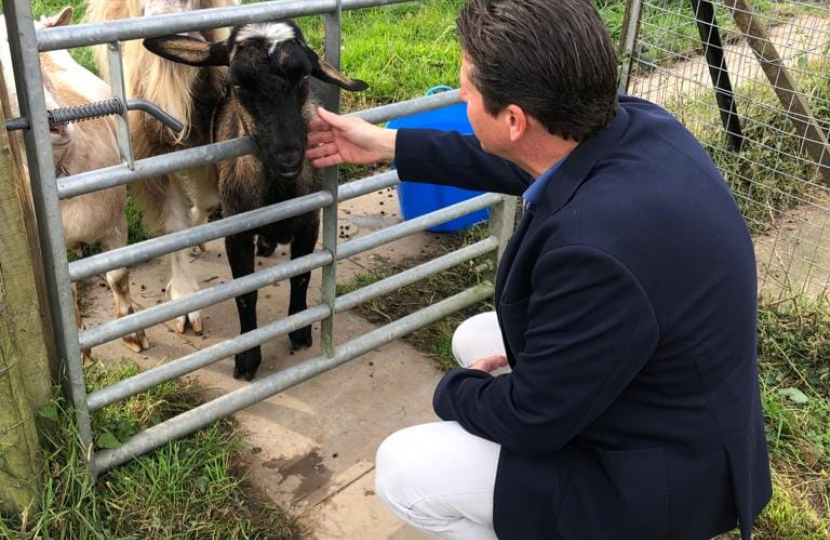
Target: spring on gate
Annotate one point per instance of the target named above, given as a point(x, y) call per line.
point(90, 111)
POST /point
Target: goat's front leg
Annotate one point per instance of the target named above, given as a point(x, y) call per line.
point(86, 354)
point(240, 250)
point(119, 282)
point(302, 244)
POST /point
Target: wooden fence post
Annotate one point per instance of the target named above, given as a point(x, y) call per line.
point(25, 375)
point(792, 99)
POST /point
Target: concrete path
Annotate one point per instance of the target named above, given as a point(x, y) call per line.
point(311, 448)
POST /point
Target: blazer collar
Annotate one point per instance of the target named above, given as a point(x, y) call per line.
point(576, 166)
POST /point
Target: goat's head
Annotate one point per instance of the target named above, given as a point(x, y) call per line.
point(269, 66)
point(61, 134)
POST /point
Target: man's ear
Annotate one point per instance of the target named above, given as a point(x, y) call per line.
point(189, 50)
point(517, 122)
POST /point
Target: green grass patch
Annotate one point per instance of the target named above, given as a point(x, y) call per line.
point(189, 489)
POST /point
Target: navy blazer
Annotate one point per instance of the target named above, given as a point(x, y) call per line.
point(627, 303)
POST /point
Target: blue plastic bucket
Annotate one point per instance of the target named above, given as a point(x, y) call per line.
point(417, 199)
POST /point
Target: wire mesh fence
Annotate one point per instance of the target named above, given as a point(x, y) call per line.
point(750, 79)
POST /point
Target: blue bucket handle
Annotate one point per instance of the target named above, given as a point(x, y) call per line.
point(439, 88)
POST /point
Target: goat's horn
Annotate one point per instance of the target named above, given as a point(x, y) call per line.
point(327, 73)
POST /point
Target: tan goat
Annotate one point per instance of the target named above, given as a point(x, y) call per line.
point(81, 147)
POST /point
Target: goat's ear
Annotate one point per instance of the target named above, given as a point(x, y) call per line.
point(189, 50)
point(327, 73)
point(61, 19)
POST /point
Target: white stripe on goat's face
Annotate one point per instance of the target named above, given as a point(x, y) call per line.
point(274, 33)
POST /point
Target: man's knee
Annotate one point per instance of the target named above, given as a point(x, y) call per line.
point(394, 465)
point(477, 337)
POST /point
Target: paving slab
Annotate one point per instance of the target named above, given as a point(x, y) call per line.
point(310, 448)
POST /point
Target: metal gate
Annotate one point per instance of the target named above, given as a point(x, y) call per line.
point(27, 42)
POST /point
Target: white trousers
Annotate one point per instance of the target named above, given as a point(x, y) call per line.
point(438, 477)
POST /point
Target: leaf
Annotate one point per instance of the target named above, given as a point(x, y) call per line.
point(108, 440)
point(795, 395)
point(49, 412)
point(202, 483)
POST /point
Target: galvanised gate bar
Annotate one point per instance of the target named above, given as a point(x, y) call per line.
point(26, 43)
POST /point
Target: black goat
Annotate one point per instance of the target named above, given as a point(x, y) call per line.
point(267, 98)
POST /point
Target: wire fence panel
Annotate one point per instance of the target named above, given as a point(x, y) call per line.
point(750, 80)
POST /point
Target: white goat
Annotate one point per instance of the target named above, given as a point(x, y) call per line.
point(170, 202)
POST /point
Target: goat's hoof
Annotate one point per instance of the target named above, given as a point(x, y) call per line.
point(195, 320)
point(181, 324)
point(245, 375)
point(86, 355)
point(300, 338)
point(136, 342)
point(245, 372)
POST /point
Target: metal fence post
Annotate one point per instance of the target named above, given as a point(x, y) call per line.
point(24, 50)
point(331, 100)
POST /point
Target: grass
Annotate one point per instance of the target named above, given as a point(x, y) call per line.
point(795, 383)
point(191, 488)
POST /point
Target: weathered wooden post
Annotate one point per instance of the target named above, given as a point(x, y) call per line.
point(25, 377)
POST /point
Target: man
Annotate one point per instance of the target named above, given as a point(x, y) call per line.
point(626, 301)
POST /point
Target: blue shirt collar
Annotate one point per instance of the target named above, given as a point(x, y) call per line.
point(533, 194)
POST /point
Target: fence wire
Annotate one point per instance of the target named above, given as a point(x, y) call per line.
point(770, 162)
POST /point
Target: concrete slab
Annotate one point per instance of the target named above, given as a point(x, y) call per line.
point(312, 447)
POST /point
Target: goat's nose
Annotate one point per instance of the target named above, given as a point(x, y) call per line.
point(289, 160)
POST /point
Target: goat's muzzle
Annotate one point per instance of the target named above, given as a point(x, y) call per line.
point(288, 164)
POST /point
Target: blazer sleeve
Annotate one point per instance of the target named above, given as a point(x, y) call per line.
point(448, 158)
point(590, 330)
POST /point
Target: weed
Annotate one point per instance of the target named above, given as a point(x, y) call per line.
point(188, 489)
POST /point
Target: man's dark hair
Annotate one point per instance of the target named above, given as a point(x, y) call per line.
point(552, 58)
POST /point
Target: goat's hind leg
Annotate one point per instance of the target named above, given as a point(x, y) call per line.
point(165, 207)
point(202, 189)
point(240, 250)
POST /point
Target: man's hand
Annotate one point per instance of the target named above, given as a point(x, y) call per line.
point(334, 139)
point(489, 363)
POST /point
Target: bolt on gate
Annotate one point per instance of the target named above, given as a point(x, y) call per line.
point(27, 42)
